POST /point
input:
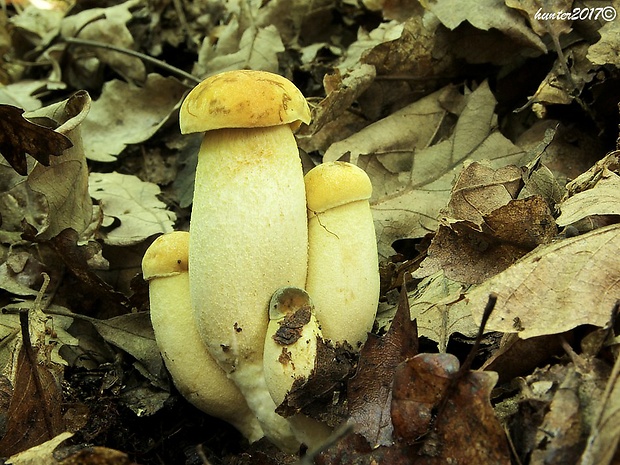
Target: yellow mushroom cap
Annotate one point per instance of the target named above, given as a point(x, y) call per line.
point(166, 256)
point(333, 184)
point(243, 99)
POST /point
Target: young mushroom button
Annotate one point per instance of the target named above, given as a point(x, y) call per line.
point(194, 372)
point(248, 231)
point(343, 269)
point(290, 356)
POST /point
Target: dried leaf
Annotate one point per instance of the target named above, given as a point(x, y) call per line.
point(536, 10)
point(411, 209)
point(89, 285)
point(64, 183)
point(463, 429)
point(606, 50)
point(107, 26)
point(486, 15)
point(470, 253)
point(19, 137)
point(258, 49)
point(604, 434)
point(556, 287)
point(398, 135)
point(126, 114)
point(34, 414)
point(127, 200)
point(436, 304)
point(133, 333)
point(370, 390)
point(602, 199)
point(41, 454)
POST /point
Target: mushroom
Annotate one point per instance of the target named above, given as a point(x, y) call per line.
point(248, 230)
point(194, 372)
point(290, 354)
point(343, 269)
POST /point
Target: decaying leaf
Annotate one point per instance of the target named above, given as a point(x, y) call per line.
point(42, 453)
point(19, 137)
point(107, 26)
point(34, 415)
point(605, 429)
point(452, 417)
point(601, 200)
point(88, 284)
point(132, 211)
point(557, 407)
point(437, 305)
point(127, 114)
point(486, 15)
point(469, 253)
point(411, 209)
point(370, 390)
point(556, 287)
point(64, 183)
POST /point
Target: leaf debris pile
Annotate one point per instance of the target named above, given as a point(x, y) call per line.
point(489, 131)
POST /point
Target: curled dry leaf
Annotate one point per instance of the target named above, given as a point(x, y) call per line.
point(369, 392)
point(64, 183)
point(556, 287)
point(471, 254)
point(486, 15)
point(43, 453)
point(601, 200)
point(19, 137)
point(451, 417)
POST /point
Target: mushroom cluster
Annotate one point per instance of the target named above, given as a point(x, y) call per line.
point(265, 245)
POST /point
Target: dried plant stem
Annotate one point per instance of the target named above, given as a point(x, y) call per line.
point(142, 56)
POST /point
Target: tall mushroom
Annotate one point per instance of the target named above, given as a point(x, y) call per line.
point(343, 269)
point(248, 231)
point(194, 372)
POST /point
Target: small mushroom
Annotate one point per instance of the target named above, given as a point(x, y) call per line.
point(248, 231)
point(343, 269)
point(290, 356)
point(194, 372)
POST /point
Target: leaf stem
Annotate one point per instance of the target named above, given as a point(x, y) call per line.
point(142, 56)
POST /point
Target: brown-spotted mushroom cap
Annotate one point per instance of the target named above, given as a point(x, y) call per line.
point(243, 99)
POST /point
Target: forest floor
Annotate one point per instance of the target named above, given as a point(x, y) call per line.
point(489, 131)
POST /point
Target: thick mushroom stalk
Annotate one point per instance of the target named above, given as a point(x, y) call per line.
point(194, 372)
point(248, 231)
point(343, 269)
point(290, 355)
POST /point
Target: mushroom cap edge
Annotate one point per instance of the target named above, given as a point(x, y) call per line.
point(166, 256)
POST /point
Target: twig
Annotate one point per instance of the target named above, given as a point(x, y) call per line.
point(142, 56)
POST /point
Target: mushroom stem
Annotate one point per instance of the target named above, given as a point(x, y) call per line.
point(248, 231)
point(248, 238)
point(194, 372)
point(343, 269)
